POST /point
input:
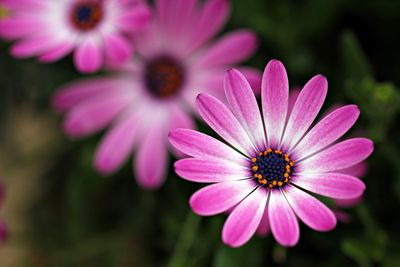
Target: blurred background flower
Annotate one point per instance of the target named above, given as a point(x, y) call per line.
point(97, 32)
point(60, 212)
point(154, 93)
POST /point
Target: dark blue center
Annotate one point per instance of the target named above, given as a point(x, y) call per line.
point(272, 168)
point(84, 13)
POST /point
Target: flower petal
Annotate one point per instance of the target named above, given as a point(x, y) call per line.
point(334, 185)
point(88, 57)
point(283, 221)
point(310, 210)
point(209, 171)
point(94, 114)
point(209, 21)
point(202, 146)
point(253, 76)
point(306, 108)
point(220, 197)
point(274, 97)
point(116, 146)
point(358, 170)
point(293, 94)
point(151, 163)
point(230, 49)
point(76, 92)
point(244, 106)
point(134, 18)
point(339, 156)
point(57, 52)
point(242, 223)
point(117, 48)
point(327, 131)
point(264, 227)
point(223, 122)
point(19, 26)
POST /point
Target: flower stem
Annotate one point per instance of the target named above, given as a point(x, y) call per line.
point(185, 240)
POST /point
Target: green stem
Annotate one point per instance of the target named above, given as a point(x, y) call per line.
point(185, 240)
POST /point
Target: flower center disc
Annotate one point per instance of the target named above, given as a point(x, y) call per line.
point(86, 15)
point(272, 168)
point(164, 77)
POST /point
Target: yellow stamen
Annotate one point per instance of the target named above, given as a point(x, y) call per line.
point(254, 168)
point(254, 160)
point(280, 183)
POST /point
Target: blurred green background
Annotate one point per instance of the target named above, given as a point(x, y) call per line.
point(61, 213)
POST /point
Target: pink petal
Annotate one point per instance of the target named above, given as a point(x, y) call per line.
point(242, 223)
point(223, 122)
point(88, 57)
point(31, 46)
point(244, 106)
point(334, 185)
point(327, 131)
point(57, 52)
point(253, 76)
point(117, 48)
point(202, 146)
point(94, 114)
point(210, 171)
point(339, 156)
point(359, 170)
point(151, 163)
point(25, 4)
point(348, 203)
point(274, 97)
point(77, 92)
point(310, 210)
point(19, 26)
point(230, 49)
point(134, 19)
point(293, 94)
point(306, 108)
point(116, 146)
point(209, 22)
point(217, 198)
point(264, 227)
point(179, 22)
point(180, 119)
point(283, 221)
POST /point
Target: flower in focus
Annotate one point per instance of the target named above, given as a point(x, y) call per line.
point(155, 93)
point(272, 160)
point(96, 31)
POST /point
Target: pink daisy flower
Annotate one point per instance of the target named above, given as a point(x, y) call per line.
point(96, 31)
point(272, 160)
point(155, 93)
